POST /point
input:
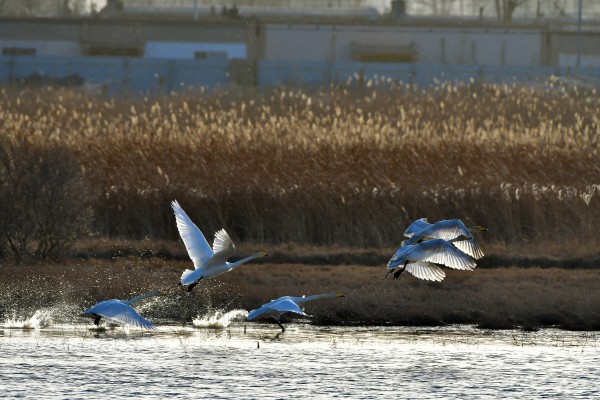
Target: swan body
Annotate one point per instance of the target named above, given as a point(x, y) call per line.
point(208, 262)
point(121, 311)
point(423, 259)
point(450, 229)
point(286, 304)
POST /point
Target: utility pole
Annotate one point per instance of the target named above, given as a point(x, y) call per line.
point(579, 34)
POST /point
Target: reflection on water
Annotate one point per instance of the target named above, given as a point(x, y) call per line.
point(247, 360)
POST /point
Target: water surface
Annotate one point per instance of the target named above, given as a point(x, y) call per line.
point(247, 360)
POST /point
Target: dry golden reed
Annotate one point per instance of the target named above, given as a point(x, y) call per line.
point(339, 165)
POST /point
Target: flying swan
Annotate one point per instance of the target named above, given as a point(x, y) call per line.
point(121, 311)
point(207, 262)
point(449, 229)
point(422, 259)
point(286, 304)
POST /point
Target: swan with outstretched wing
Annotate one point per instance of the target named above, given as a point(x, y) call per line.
point(208, 262)
point(121, 311)
point(423, 260)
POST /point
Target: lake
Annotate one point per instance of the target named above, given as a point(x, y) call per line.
point(250, 360)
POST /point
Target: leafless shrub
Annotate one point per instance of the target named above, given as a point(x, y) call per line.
point(45, 205)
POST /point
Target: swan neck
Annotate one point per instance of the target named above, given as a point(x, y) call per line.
point(245, 260)
point(317, 296)
point(143, 296)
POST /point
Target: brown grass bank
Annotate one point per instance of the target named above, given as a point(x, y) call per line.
point(490, 298)
point(333, 167)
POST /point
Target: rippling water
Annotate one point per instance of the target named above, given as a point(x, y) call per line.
point(247, 360)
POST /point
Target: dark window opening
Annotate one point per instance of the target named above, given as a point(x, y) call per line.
point(102, 51)
point(210, 55)
point(387, 57)
point(19, 51)
point(366, 52)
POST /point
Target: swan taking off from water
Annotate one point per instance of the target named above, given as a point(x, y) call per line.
point(121, 311)
point(207, 262)
point(449, 229)
point(422, 259)
point(276, 308)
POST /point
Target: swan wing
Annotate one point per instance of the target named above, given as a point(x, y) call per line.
point(258, 312)
point(442, 252)
point(447, 229)
point(123, 313)
point(195, 242)
point(426, 270)
point(398, 257)
point(470, 247)
point(223, 247)
point(416, 226)
point(287, 305)
point(276, 308)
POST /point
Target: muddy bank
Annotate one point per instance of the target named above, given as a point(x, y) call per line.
point(549, 255)
point(496, 298)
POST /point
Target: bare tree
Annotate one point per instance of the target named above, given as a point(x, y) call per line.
point(506, 8)
point(437, 7)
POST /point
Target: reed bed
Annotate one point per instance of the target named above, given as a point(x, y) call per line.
point(337, 166)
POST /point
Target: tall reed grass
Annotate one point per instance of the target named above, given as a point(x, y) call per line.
point(345, 166)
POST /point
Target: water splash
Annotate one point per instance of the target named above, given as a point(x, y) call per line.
point(219, 319)
point(39, 319)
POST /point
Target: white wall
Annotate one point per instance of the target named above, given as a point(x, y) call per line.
point(585, 61)
point(45, 47)
point(186, 50)
point(461, 46)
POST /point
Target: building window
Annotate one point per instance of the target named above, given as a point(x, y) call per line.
point(18, 51)
point(368, 52)
point(210, 55)
point(107, 51)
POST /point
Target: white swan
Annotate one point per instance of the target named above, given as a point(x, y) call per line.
point(207, 262)
point(422, 259)
point(276, 308)
point(121, 311)
point(449, 229)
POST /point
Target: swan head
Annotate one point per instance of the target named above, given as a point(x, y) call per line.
point(478, 228)
point(460, 238)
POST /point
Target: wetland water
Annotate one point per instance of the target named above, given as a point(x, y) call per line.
point(246, 360)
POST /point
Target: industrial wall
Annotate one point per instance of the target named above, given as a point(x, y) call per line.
point(474, 46)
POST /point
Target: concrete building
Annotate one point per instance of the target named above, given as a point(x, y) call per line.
point(408, 40)
point(128, 37)
point(143, 53)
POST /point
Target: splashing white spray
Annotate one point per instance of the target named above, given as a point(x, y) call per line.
point(219, 319)
point(39, 319)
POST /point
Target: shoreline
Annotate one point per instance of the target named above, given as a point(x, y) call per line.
point(489, 298)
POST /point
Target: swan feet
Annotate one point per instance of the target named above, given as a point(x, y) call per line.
point(279, 323)
point(193, 285)
point(399, 272)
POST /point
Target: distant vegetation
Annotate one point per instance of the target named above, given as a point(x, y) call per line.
point(341, 166)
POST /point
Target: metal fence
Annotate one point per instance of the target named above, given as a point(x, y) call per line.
point(322, 73)
point(117, 75)
point(157, 76)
